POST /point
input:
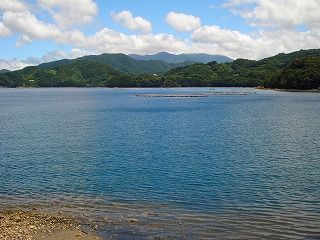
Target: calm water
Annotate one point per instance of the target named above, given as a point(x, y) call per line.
point(219, 167)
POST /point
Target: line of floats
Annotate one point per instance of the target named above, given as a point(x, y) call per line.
point(193, 95)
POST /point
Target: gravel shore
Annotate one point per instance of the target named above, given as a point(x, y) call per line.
point(33, 225)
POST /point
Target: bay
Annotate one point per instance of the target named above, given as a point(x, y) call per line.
point(222, 167)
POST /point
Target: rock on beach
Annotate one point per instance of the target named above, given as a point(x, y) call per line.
point(33, 225)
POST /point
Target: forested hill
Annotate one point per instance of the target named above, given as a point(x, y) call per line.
point(268, 72)
point(75, 74)
point(122, 63)
point(301, 73)
point(298, 70)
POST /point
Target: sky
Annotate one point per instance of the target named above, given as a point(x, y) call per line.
point(36, 31)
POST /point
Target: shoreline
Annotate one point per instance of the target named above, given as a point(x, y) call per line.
point(288, 90)
point(316, 90)
point(36, 225)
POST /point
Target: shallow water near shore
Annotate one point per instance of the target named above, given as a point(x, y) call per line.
point(222, 167)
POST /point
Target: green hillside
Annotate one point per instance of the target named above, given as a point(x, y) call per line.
point(298, 70)
point(302, 73)
point(74, 74)
point(245, 73)
point(122, 63)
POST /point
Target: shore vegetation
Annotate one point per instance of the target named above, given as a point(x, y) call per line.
point(297, 70)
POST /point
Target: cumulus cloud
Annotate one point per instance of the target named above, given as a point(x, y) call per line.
point(23, 39)
point(33, 61)
point(67, 13)
point(4, 31)
point(31, 29)
point(230, 3)
point(228, 40)
point(26, 39)
point(217, 35)
point(108, 40)
point(13, 5)
point(28, 24)
point(76, 52)
point(15, 64)
point(259, 45)
point(126, 19)
point(54, 55)
point(12, 65)
point(276, 32)
point(278, 13)
point(182, 22)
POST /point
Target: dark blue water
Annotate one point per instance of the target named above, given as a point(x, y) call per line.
point(217, 167)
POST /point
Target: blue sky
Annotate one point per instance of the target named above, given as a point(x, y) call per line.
point(35, 31)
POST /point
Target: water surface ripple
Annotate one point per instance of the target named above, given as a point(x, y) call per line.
point(220, 167)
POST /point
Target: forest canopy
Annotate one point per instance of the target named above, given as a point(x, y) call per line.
point(297, 70)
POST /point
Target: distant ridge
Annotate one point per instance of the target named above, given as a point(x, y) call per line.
point(4, 70)
point(296, 70)
point(172, 58)
point(122, 63)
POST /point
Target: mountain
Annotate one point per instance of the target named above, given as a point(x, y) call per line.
point(4, 70)
point(282, 60)
point(299, 70)
point(55, 64)
point(79, 73)
point(302, 73)
point(172, 58)
point(122, 63)
point(127, 64)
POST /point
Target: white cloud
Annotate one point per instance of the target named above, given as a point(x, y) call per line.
point(28, 24)
point(67, 13)
point(287, 40)
point(182, 22)
point(76, 52)
point(71, 37)
point(220, 36)
point(58, 54)
point(108, 40)
point(4, 31)
point(264, 42)
point(126, 19)
point(23, 39)
point(12, 65)
point(15, 64)
point(260, 45)
point(278, 13)
point(54, 55)
point(33, 61)
point(26, 39)
point(33, 29)
point(13, 5)
point(231, 3)
point(228, 40)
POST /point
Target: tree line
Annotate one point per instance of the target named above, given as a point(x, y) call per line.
point(298, 70)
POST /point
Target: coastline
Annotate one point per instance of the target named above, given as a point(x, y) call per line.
point(288, 90)
point(35, 225)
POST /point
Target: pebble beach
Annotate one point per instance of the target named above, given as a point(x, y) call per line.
point(34, 225)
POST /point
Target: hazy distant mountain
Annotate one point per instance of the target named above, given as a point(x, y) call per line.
point(297, 70)
point(172, 58)
point(4, 70)
point(122, 63)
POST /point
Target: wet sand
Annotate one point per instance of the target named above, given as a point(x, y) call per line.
point(70, 234)
point(33, 225)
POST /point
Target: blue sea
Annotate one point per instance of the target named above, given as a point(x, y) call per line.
point(216, 167)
